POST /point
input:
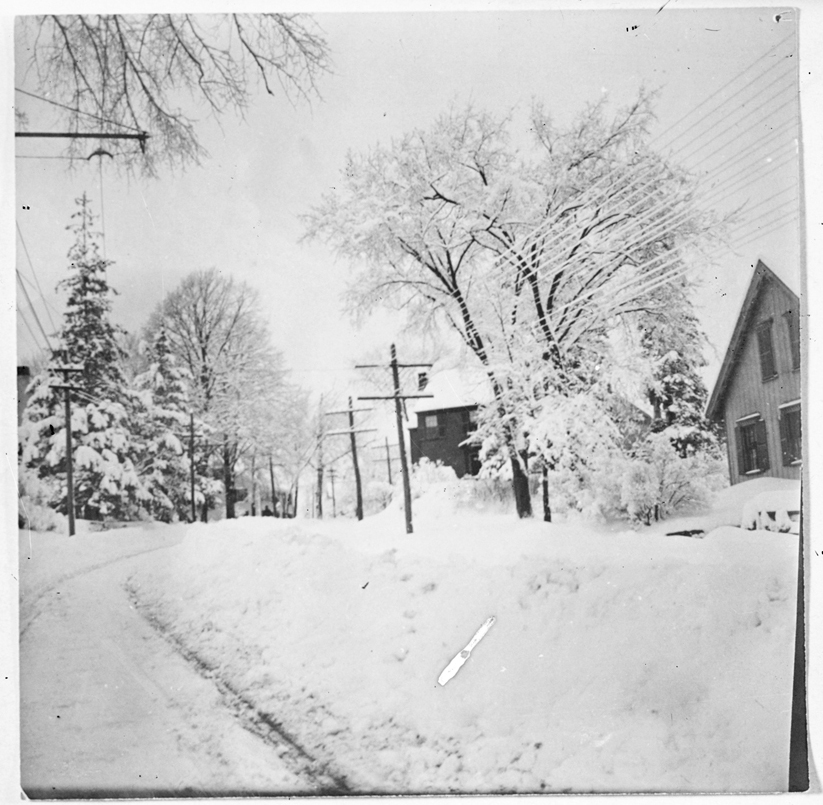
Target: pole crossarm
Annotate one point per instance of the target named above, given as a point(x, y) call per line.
point(399, 366)
point(399, 397)
point(82, 135)
point(346, 411)
point(347, 432)
point(63, 387)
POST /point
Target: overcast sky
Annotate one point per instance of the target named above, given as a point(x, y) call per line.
point(239, 211)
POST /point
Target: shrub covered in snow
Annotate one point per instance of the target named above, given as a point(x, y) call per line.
point(657, 482)
point(34, 505)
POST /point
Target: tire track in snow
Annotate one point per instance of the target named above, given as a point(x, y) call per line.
point(28, 607)
point(256, 721)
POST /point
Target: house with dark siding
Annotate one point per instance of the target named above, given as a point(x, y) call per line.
point(447, 419)
point(440, 434)
point(757, 396)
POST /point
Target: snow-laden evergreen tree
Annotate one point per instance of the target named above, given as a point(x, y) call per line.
point(106, 480)
point(674, 345)
point(163, 431)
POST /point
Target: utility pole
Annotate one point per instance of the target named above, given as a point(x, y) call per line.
point(319, 495)
point(389, 457)
point(66, 370)
point(352, 431)
point(332, 475)
point(271, 478)
point(398, 411)
point(192, 476)
point(191, 466)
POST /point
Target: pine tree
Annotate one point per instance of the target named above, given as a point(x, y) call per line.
point(106, 481)
point(164, 464)
point(673, 343)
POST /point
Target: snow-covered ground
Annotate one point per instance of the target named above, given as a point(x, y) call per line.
point(108, 707)
point(618, 661)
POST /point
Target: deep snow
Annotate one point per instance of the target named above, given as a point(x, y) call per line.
point(108, 708)
point(625, 661)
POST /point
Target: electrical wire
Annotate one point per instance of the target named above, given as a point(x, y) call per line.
point(34, 274)
point(719, 90)
point(609, 174)
point(77, 111)
point(31, 307)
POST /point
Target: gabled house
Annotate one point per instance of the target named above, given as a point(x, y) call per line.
point(439, 435)
point(757, 396)
point(446, 420)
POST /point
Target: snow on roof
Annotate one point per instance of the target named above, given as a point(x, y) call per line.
point(762, 274)
point(452, 388)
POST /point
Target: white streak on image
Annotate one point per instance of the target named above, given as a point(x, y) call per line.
point(459, 659)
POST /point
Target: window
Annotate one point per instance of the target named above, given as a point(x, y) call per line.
point(752, 448)
point(791, 440)
point(432, 428)
point(793, 326)
point(766, 349)
point(469, 421)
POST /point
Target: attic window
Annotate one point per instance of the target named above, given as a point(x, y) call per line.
point(766, 349)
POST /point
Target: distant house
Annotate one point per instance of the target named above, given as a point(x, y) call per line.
point(438, 437)
point(446, 419)
point(757, 394)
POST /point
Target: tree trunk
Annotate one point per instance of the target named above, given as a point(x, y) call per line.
point(520, 485)
point(228, 482)
point(253, 488)
point(547, 509)
point(319, 499)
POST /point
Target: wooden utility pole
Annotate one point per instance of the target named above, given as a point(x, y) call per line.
point(192, 475)
point(389, 457)
point(67, 370)
point(357, 487)
point(273, 498)
point(352, 431)
point(319, 495)
point(191, 466)
point(332, 475)
point(398, 411)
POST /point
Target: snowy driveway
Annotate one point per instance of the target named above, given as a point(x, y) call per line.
point(108, 707)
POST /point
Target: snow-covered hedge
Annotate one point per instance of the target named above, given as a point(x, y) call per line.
point(33, 506)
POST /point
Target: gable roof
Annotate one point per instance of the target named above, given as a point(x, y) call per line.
point(452, 388)
point(761, 277)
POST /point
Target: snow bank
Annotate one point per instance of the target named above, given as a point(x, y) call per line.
point(621, 662)
point(739, 505)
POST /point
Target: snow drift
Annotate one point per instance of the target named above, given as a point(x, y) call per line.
point(617, 662)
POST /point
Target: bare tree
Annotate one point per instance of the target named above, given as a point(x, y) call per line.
point(536, 252)
point(215, 329)
point(130, 73)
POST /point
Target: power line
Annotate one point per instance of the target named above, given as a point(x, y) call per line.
point(76, 111)
point(589, 192)
point(28, 327)
point(34, 274)
point(33, 311)
point(48, 304)
point(716, 92)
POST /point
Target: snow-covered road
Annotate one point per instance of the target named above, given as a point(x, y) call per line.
point(108, 707)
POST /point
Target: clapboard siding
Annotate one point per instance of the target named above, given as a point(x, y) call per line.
point(747, 393)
